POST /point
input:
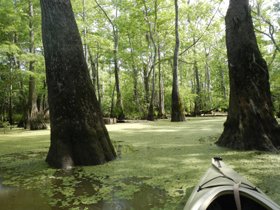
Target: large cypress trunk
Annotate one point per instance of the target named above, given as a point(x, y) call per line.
point(78, 133)
point(250, 123)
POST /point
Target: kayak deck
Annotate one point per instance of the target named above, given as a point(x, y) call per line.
point(227, 202)
point(221, 188)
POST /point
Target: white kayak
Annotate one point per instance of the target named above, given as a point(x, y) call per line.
point(221, 188)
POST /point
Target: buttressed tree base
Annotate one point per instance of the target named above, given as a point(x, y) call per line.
point(78, 133)
point(250, 123)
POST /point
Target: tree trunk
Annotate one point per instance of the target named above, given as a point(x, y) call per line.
point(112, 107)
point(250, 123)
point(150, 115)
point(23, 102)
point(208, 101)
point(146, 79)
point(93, 71)
point(161, 111)
point(135, 79)
point(223, 85)
point(35, 121)
point(119, 104)
point(84, 32)
point(198, 101)
point(78, 133)
point(177, 112)
point(150, 37)
point(118, 112)
point(10, 87)
point(95, 75)
point(11, 120)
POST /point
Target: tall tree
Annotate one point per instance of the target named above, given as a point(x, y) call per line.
point(198, 99)
point(35, 120)
point(250, 123)
point(151, 38)
point(177, 112)
point(161, 108)
point(78, 133)
point(119, 112)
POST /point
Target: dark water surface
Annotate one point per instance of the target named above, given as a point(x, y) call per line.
point(18, 199)
point(84, 185)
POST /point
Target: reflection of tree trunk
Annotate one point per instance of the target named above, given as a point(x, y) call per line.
point(250, 123)
point(35, 120)
point(78, 133)
point(177, 113)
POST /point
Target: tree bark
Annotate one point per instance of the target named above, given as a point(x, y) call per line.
point(78, 133)
point(177, 112)
point(250, 123)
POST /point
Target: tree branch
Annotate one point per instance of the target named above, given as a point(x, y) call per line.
point(106, 15)
point(198, 39)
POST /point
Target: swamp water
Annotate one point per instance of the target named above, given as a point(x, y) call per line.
point(75, 189)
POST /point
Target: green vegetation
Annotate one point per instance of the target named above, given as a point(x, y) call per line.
point(202, 68)
point(159, 164)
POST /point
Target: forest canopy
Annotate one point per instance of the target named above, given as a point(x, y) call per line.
point(138, 38)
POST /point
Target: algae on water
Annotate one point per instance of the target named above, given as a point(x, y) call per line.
point(157, 167)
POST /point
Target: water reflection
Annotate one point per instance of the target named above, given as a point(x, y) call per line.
point(18, 199)
point(147, 197)
point(75, 189)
